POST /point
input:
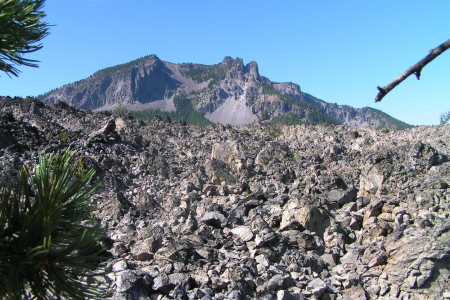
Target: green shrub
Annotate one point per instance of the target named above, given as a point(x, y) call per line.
point(120, 110)
point(230, 154)
point(45, 249)
point(80, 170)
point(296, 157)
point(274, 131)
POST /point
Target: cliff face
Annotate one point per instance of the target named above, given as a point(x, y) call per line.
point(253, 211)
point(228, 93)
point(144, 81)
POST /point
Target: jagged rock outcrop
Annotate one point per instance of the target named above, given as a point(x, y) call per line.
point(253, 212)
point(227, 93)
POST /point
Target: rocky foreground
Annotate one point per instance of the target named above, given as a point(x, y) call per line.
point(256, 211)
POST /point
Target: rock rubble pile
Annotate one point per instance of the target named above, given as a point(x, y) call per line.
point(255, 211)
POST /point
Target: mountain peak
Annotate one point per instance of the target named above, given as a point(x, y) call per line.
point(252, 68)
point(227, 60)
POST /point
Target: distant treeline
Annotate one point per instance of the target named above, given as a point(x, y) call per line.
point(185, 111)
point(123, 67)
point(313, 118)
point(392, 121)
point(202, 73)
point(315, 114)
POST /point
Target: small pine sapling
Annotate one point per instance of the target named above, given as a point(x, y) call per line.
point(46, 250)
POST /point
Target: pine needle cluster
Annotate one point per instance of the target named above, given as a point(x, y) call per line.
point(46, 250)
point(21, 28)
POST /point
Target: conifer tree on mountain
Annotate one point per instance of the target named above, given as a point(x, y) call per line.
point(21, 28)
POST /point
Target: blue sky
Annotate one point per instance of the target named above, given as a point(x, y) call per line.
point(338, 51)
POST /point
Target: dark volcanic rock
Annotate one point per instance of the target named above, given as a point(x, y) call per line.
point(191, 212)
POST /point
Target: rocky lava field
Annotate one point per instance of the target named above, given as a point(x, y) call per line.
point(256, 211)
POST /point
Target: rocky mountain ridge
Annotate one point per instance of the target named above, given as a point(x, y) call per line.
point(228, 93)
point(256, 211)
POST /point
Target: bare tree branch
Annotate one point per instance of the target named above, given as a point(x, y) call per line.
point(417, 68)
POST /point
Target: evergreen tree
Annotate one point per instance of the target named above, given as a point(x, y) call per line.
point(21, 27)
point(46, 246)
point(445, 118)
